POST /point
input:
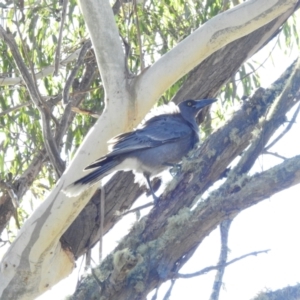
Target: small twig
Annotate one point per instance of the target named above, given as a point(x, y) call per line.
point(168, 293)
point(9, 110)
point(88, 256)
point(154, 297)
point(78, 276)
point(138, 208)
point(87, 45)
point(61, 129)
point(51, 145)
point(139, 35)
point(83, 111)
point(3, 243)
point(208, 269)
point(127, 49)
point(275, 154)
point(261, 64)
point(96, 279)
point(102, 215)
point(224, 230)
point(48, 70)
point(291, 123)
point(177, 266)
point(57, 52)
point(54, 101)
point(14, 198)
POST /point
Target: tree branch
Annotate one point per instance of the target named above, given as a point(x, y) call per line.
point(9, 110)
point(224, 230)
point(44, 110)
point(204, 41)
point(62, 22)
point(275, 116)
point(86, 46)
point(23, 183)
point(139, 35)
point(189, 227)
point(64, 122)
point(219, 266)
point(230, 199)
point(285, 131)
point(41, 74)
point(107, 45)
point(123, 183)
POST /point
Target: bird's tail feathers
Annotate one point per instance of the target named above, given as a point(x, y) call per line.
point(85, 182)
point(98, 163)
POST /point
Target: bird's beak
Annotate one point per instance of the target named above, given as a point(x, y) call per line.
point(204, 102)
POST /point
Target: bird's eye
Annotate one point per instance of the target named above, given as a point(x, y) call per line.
point(189, 103)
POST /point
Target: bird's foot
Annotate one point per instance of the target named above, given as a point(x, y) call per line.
point(175, 170)
point(155, 199)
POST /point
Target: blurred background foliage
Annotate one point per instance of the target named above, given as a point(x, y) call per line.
point(148, 29)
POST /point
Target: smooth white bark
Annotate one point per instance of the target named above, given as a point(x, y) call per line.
point(210, 37)
point(36, 251)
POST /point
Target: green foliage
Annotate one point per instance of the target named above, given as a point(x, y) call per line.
point(36, 30)
point(162, 24)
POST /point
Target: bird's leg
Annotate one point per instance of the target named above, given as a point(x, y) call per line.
point(155, 198)
point(176, 168)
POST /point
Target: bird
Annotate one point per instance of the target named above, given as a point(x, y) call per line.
point(158, 144)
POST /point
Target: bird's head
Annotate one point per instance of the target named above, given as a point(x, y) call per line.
point(190, 108)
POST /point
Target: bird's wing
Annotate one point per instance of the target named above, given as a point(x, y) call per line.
point(157, 131)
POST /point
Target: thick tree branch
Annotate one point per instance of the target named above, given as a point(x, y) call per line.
point(185, 228)
point(203, 82)
point(107, 44)
point(199, 83)
point(216, 153)
point(124, 185)
point(188, 228)
point(207, 39)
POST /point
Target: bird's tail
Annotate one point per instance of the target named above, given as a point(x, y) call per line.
point(103, 168)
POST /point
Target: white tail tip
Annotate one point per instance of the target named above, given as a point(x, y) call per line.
point(74, 190)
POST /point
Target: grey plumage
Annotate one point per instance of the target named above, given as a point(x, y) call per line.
point(159, 143)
